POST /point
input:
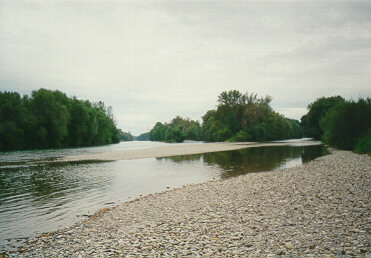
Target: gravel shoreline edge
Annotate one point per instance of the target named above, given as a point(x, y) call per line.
point(321, 207)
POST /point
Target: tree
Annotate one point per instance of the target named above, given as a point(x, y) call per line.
point(174, 134)
point(317, 111)
point(347, 124)
point(13, 118)
point(143, 137)
point(245, 117)
point(52, 118)
point(49, 119)
point(124, 136)
point(177, 130)
point(231, 98)
point(213, 129)
point(79, 128)
point(158, 132)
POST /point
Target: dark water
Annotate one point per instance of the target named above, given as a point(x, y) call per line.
point(241, 162)
point(38, 196)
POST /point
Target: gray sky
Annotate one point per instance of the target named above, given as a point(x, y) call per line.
point(153, 60)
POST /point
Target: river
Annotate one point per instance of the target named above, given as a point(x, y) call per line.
point(38, 196)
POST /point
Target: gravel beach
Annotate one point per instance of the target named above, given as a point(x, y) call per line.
point(321, 207)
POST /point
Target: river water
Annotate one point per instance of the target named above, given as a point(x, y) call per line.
point(38, 196)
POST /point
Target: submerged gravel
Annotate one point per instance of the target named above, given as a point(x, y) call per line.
point(321, 207)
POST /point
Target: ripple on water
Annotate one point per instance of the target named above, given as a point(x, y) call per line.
point(40, 196)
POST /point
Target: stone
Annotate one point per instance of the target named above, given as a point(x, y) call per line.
point(289, 245)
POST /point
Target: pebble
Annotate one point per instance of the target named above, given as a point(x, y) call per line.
point(289, 245)
point(321, 208)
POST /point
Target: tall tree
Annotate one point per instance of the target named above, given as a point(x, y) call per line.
point(245, 117)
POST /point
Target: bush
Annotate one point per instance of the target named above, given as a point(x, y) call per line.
point(242, 137)
point(222, 135)
point(364, 144)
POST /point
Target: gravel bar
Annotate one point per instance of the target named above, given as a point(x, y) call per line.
point(320, 208)
point(180, 149)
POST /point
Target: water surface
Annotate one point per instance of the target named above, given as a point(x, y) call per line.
point(38, 196)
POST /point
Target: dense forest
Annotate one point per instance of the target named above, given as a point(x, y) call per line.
point(50, 119)
point(238, 117)
point(344, 124)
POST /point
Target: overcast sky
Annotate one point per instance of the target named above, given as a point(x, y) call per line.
point(153, 60)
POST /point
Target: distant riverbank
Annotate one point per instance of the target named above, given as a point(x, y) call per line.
point(321, 207)
point(181, 149)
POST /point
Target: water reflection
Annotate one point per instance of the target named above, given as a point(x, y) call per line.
point(240, 162)
point(40, 196)
point(311, 152)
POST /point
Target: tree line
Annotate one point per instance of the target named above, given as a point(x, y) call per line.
point(246, 117)
point(50, 119)
point(343, 124)
point(126, 136)
point(238, 117)
point(177, 130)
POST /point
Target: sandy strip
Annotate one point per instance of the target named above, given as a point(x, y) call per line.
point(178, 149)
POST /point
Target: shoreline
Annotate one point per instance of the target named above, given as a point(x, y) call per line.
point(181, 149)
point(321, 207)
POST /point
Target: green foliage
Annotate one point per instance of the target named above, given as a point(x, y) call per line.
point(158, 132)
point(214, 130)
point(242, 137)
point(177, 131)
point(191, 129)
point(51, 113)
point(317, 111)
point(245, 117)
point(143, 137)
point(174, 134)
point(364, 144)
point(347, 125)
point(13, 117)
point(49, 119)
point(124, 136)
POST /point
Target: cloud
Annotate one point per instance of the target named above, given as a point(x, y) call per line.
point(153, 60)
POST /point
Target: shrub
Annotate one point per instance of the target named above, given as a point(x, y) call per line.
point(364, 144)
point(242, 137)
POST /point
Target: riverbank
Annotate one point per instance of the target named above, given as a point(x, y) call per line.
point(180, 149)
point(321, 207)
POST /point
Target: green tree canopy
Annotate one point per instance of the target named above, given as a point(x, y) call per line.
point(158, 132)
point(246, 117)
point(316, 112)
point(178, 130)
point(50, 119)
point(347, 123)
